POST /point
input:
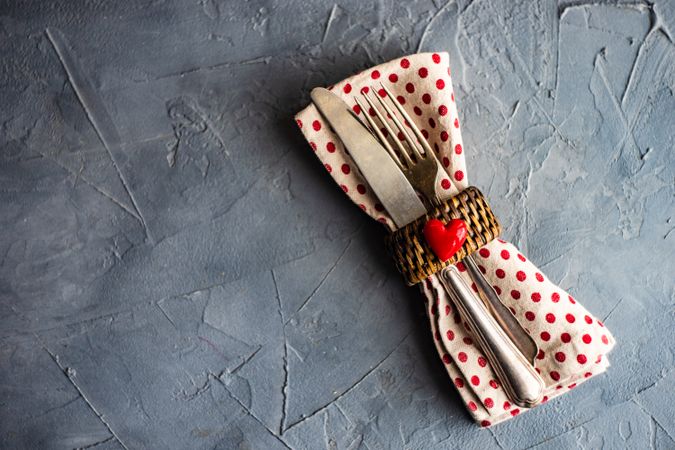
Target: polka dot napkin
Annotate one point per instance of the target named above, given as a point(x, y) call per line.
point(572, 343)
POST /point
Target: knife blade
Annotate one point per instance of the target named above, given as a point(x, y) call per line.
point(385, 178)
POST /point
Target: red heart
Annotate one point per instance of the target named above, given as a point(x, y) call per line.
point(443, 239)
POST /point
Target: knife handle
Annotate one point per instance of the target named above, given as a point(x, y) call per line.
point(521, 382)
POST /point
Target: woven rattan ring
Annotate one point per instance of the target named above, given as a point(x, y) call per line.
point(413, 255)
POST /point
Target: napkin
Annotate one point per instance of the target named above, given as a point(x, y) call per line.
point(572, 342)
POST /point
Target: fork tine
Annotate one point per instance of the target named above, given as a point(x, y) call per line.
point(401, 127)
point(378, 132)
point(420, 137)
point(408, 162)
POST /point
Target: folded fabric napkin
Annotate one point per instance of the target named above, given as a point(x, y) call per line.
point(572, 343)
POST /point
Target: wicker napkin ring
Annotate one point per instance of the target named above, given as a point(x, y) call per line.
point(413, 256)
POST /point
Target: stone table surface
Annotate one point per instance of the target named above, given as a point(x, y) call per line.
point(177, 270)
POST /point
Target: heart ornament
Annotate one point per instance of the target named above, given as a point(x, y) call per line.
point(444, 239)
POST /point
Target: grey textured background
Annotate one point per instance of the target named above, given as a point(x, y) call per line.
point(177, 271)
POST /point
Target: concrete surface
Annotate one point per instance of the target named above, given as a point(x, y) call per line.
point(178, 272)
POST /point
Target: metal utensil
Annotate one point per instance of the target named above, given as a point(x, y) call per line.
point(425, 173)
point(507, 345)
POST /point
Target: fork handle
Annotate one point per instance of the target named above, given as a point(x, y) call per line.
point(521, 382)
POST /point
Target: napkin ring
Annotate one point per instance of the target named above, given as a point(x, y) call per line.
point(412, 254)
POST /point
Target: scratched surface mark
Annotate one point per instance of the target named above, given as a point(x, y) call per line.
point(176, 271)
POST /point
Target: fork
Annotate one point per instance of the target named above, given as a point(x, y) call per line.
point(509, 348)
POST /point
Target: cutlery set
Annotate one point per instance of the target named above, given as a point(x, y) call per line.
point(509, 338)
point(397, 176)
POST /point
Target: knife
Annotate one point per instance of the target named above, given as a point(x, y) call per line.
point(520, 381)
point(386, 180)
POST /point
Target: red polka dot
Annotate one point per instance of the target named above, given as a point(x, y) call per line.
point(346, 169)
point(545, 336)
point(450, 335)
point(379, 207)
point(447, 309)
point(410, 88)
point(571, 299)
point(375, 74)
point(485, 423)
point(560, 357)
point(423, 72)
point(472, 406)
point(581, 358)
point(565, 337)
point(459, 175)
point(507, 406)
point(426, 98)
point(444, 136)
point(467, 340)
point(588, 319)
point(529, 315)
point(482, 361)
point(344, 188)
point(445, 184)
point(550, 318)
point(588, 374)
point(461, 267)
point(446, 359)
point(299, 122)
point(494, 384)
point(462, 357)
point(362, 206)
point(446, 162)
point(459, 382)
point(536, 297)
point(555, 375)
point(456, 123)
point(489, 402)
point(520, 275)
point(316, 125)
point(400, 99)
point(541, 354)
point(539, 277)
point(365, 90)
point(436, 58)
point(452, 96)
point(356, 109)
point(586, 338)
point(515, 294)
point(515, 412)
point(328, 167)
point(347, 88)
point(442, 110)
point(432, 122)
point(405, 63)
point(497, 289)
point(521, 257)
point(458, 149)
point(555, 297)
point(604, 339)
point(361, 189)
point(484, 252)
point(437, 335)
point(382, 93)
point(570, 318)
point(500, 273)
point(475, 380)
point(313, 145)
point(505, 254)
point(393, 78)
point(330, 147)
point(440, 84)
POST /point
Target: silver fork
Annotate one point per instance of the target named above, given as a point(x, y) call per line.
point(507, 345)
